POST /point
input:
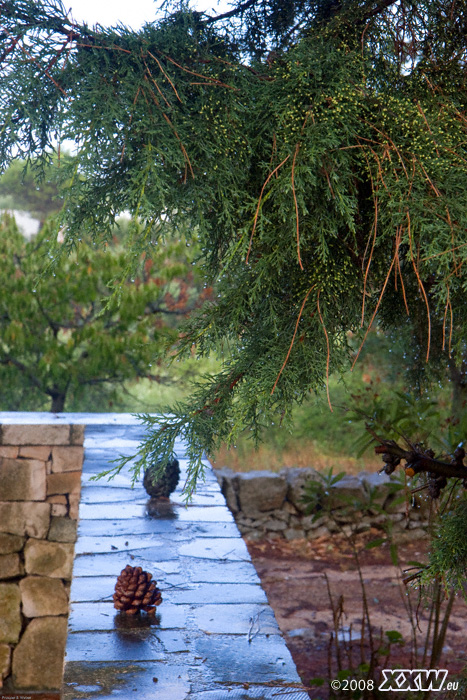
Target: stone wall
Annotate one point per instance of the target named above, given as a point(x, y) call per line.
point(40, 481)
point(269, 505)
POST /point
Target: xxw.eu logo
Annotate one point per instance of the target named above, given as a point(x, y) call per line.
point(415, 679)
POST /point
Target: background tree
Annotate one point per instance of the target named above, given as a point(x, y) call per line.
point(317, 147)
point(19, 189)
point(66, 335)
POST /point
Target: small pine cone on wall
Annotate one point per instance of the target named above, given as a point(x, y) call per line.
point(134, 591)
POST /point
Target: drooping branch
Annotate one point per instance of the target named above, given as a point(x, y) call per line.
point(8, 359)
point(37, 17)
point(379, 8)
point(238, 10)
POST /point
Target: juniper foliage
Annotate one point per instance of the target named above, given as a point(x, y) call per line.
point(316, 147)
point(448, 554)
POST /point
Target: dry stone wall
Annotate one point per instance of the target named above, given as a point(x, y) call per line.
point(40, 482)
point(270, 505)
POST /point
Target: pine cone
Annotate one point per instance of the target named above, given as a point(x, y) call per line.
point(134, 591)
point(162, 487)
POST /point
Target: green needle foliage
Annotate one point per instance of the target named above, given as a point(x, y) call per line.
point(448, 551)
point(317, 148)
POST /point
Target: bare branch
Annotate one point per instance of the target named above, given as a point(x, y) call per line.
point(421, 461)
point(231, 13)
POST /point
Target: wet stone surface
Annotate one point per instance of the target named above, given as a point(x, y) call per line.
point(121, 680)
point(252, 692)
point(102, 528)
point(214, 636)
point(112, 564)
point(102, 617)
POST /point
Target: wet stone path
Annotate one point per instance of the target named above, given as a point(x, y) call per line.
point(214, 636)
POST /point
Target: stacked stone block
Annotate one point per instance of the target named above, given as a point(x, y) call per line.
point(40, 481)
point(270, 505)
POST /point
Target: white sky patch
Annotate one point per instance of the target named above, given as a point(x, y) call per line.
point(132, 14)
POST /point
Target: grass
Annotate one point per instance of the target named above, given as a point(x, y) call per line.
point(308, 454)
point(319, 438)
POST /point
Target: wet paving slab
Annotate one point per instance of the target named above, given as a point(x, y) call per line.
point(213, 637)
point(147, 644)
point(167, 681)
point(144, 526)
point(238, 618)
point(102, 617)
point(226, 593)
point(225, 549)
point(247, 691)
point(171, 572)
point(178, 590)
point(113, 494)
point(117, 494)
point(237, 658)
point(93, 588)
point(219, 571)
point(91, 565)
point(190, 513)
point(112, 543)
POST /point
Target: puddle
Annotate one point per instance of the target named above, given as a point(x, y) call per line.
point(149, 644)
point(220, 593)
point(108, 511)
point(102, 617)
point(136, 622)
point(348, 634)
point(118, 543)
point(160, 681)
point(216, 548)
point(160, 509)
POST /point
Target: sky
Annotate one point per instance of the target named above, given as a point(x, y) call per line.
point(132, 13)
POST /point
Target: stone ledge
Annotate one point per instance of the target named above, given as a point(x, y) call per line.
point(36, 544)
point(30, 518)
point(354, 503)
point(43, 596)
point(53, 559)
point(22, 479)
point(11, 566)
point(10, 619)
point(10, 543)
point(38, 658)
point(67, 459)
point(64, 483)
point(41, 452)
point(34, 435)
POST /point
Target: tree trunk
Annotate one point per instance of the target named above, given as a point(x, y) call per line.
point(459, 387)
point(58, 401)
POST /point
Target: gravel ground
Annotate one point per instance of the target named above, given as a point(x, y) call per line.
point(302, 577)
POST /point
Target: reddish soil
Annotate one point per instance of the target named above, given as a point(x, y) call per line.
point(293, 575)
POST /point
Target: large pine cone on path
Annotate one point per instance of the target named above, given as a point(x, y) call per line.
point(134, 591)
